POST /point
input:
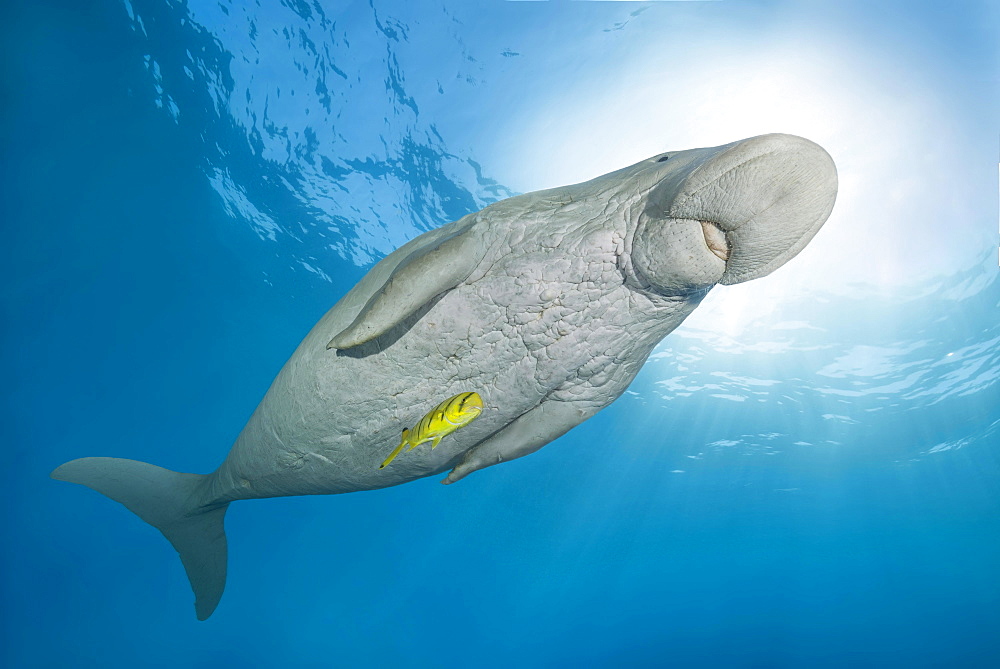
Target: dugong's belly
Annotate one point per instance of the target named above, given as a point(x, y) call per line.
point(331, 417)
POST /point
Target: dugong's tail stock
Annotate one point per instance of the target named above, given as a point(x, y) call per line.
point(169, 502)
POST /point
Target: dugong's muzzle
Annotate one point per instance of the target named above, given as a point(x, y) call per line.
point(733, 213)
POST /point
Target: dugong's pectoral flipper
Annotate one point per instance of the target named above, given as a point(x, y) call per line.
point(424, 274)
point(525, 435)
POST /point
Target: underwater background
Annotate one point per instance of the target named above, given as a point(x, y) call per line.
point(805, 474)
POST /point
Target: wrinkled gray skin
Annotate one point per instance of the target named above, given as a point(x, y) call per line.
point(546, 304)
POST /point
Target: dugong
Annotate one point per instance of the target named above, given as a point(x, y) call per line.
point(545, 304)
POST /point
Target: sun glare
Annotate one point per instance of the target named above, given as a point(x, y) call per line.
point(885, 232)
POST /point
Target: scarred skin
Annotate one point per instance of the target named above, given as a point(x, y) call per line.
point(543, 324)
point(567, 292)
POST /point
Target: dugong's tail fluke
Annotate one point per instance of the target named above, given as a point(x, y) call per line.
point(170, 502)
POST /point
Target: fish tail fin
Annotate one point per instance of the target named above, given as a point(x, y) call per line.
point(172, 503)
point(396, 451)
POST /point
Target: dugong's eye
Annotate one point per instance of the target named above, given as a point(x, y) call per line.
point(663, 159)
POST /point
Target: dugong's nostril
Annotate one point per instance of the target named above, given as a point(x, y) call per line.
point(716, 239)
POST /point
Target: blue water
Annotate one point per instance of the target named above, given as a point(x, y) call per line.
point(798, 478)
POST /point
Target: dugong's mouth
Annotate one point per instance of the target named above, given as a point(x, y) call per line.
point(715, 238)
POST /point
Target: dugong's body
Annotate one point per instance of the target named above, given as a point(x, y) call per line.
point(546, 304)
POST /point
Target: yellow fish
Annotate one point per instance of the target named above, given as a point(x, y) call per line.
point(442, 420)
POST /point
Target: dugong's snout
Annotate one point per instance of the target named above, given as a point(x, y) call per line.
point(732, 213)
point(770, 195)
